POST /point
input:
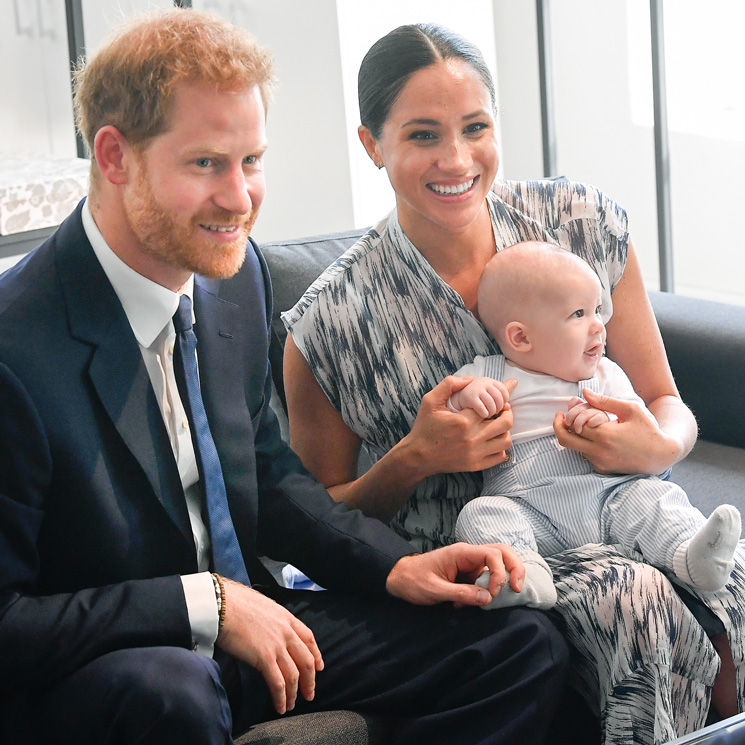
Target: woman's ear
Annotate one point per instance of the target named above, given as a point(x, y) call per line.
point(112, 154)
point(516, 337)
point(370, 144)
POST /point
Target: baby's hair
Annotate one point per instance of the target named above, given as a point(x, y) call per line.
point(520, 276)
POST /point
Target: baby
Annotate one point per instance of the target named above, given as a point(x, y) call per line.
point(542, 304)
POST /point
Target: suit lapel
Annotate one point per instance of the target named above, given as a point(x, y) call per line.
point(117, 370)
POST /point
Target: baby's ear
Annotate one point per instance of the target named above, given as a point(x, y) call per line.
point(516, 337)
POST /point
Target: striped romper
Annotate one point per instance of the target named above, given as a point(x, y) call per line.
point(547, 498)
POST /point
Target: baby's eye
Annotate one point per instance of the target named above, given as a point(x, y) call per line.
point(578, 313)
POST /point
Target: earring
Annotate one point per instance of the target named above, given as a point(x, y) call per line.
point(379, 165)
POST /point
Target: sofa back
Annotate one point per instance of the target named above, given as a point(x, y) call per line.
point(705, 340)
point(705, 343)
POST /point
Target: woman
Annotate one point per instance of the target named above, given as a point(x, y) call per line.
point(374, 341)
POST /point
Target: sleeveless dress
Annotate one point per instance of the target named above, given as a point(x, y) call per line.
point(379, 329)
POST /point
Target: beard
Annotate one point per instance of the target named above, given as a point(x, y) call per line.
point(183, 243)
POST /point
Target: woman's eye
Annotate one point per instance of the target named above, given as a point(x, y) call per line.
point(476, 128)
point(422, 136)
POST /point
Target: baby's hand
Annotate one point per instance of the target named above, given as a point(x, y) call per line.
point(486, 396)
point(581, 414)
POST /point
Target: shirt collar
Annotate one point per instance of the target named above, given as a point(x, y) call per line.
point(148, 306)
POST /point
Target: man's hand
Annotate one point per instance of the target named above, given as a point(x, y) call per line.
point(447, 574)
point(268, 637)
point(486, 396)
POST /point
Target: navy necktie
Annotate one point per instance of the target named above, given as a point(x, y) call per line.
point(227, 559)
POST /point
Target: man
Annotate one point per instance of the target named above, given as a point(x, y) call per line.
point(112, 627)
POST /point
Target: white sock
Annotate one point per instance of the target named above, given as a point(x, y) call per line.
point(705, 561)
point(538, 588)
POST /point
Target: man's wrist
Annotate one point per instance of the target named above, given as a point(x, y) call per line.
point(394, 576)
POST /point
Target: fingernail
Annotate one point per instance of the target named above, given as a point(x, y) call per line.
point(519, 585)
point(482, 596)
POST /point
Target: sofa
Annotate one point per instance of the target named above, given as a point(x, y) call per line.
point(705, 342)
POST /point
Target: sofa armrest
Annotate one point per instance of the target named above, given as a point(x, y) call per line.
point(705, 343)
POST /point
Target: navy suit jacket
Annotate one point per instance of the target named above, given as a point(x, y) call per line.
point(94, 530)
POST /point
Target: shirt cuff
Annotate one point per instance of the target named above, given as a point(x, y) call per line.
point(201, 605)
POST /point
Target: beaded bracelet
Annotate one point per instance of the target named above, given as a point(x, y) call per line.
point(217, 581)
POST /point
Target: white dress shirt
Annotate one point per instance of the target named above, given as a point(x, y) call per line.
point(149, 308)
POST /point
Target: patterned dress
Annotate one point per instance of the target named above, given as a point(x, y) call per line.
point(379, 329)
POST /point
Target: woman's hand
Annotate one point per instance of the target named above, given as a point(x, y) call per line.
point(634, 443)
point(440, 441)
point(580, 415)
point(444, 441)
point(486, 396)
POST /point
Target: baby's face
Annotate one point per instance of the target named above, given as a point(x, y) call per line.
point(566, 331)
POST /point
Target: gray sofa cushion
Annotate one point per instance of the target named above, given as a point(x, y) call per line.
point(321, 728)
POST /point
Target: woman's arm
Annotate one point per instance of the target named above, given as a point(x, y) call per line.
point(636, 444)
point(440, 441)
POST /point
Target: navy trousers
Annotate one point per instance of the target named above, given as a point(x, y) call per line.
point(444, 675)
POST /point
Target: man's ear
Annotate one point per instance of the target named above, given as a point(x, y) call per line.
point(113, 154)
point(516, 337)
point(370, 144)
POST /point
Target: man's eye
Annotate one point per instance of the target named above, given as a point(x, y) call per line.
point(203, 162)
point(250, 160)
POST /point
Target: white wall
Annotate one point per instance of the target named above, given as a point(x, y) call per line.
point(100, 16)
point(519, 110)
point(36, 110)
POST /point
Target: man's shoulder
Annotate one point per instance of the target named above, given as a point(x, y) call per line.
point(29, 280)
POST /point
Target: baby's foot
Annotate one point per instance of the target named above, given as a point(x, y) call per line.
point(538, 587)
point(705, 561)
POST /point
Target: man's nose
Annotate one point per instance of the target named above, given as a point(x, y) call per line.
point(233, 193)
